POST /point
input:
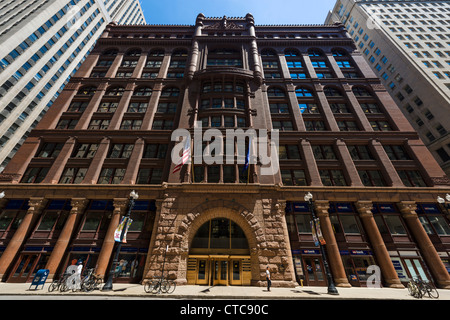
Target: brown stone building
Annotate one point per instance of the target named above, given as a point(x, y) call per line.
point(341, 137)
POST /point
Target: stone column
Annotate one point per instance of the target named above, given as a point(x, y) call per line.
point(147, 122)
point(310, 163)
point(134, 162)
point(124, 102)
point(334, 65)
point(36, 205)
point(379, 248)
point(19, 163)
point(52, 116)
point(298, 117)
point(139, 67)
point(350, 169)
point(427, 249)
point(390, 174)
point(257, 70)
point(333, 255)
point(54, 174)
point(327, 113)
point(120, 205)
point(97, 162)
point(92, 107)
point(78, 206)
point(114, 66)
point(359, 112)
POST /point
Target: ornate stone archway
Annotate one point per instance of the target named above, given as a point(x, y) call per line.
point(233, 211)
point(264, 226)
point(222, 209)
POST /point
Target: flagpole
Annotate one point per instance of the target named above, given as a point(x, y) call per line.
point(248, 174)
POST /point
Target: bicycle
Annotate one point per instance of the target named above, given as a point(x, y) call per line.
point(59, 284)
point(160, 285)
point(413, 289)
point(426, 287)
point(90, 281)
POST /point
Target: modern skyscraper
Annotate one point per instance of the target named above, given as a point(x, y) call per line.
point(43, 44)
point(406, 43)
point(218, 220)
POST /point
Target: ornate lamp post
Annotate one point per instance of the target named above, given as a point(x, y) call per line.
point(109, 283)
point(331, 287)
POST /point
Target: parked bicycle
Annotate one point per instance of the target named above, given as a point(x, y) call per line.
point(418, 288)
point(91, 281)
point(59, 284)
point(160, 285)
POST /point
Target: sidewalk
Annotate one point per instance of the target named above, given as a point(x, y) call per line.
point(224, 292)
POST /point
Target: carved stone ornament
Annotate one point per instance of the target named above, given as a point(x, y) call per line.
point(442, 181)
point(224, 25)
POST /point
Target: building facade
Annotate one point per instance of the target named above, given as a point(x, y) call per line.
point(43, 44)
point(340, 136)
point(406, 44)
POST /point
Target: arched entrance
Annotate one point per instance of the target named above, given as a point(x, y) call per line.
point(219, 254)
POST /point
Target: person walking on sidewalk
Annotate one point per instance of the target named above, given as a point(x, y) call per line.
point(269, 282)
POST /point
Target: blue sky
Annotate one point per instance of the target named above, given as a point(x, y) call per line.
point(264, 11)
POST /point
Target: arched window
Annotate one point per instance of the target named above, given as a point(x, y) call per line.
point(143, 91)
point(268, 53)
point(303, 92)
point(224, 57)
point(270, 64)
point(156, 53)
point(276, 92)
point(110, 52)
point(170, 92)
point(115, 91)
point(315, 53)
point(87, 90)
point(220, 233)
point(291, 53)
point(338, 52)
point(180, 53)
point(133, 53)
point(332, 92)
point(361, 92)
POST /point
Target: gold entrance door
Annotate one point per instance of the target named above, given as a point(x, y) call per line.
point(236, 272)
point(202, 272)
point(220, 272)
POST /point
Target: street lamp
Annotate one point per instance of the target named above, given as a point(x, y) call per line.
point(109, 283)
point(331, 287)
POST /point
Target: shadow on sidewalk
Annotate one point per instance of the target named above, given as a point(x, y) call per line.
point(306, 291)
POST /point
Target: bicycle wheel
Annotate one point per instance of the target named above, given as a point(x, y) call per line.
point(53, 286)
point(88, 285)
point(432, 292)
point(165, 286)
point(172, 286)
point(63, 287)
point(156, 286)
point(148, 287)
point(418, 292)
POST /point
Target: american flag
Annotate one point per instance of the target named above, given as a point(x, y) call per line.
point(185, 157)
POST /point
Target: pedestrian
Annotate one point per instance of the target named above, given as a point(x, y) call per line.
point(269, 282)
